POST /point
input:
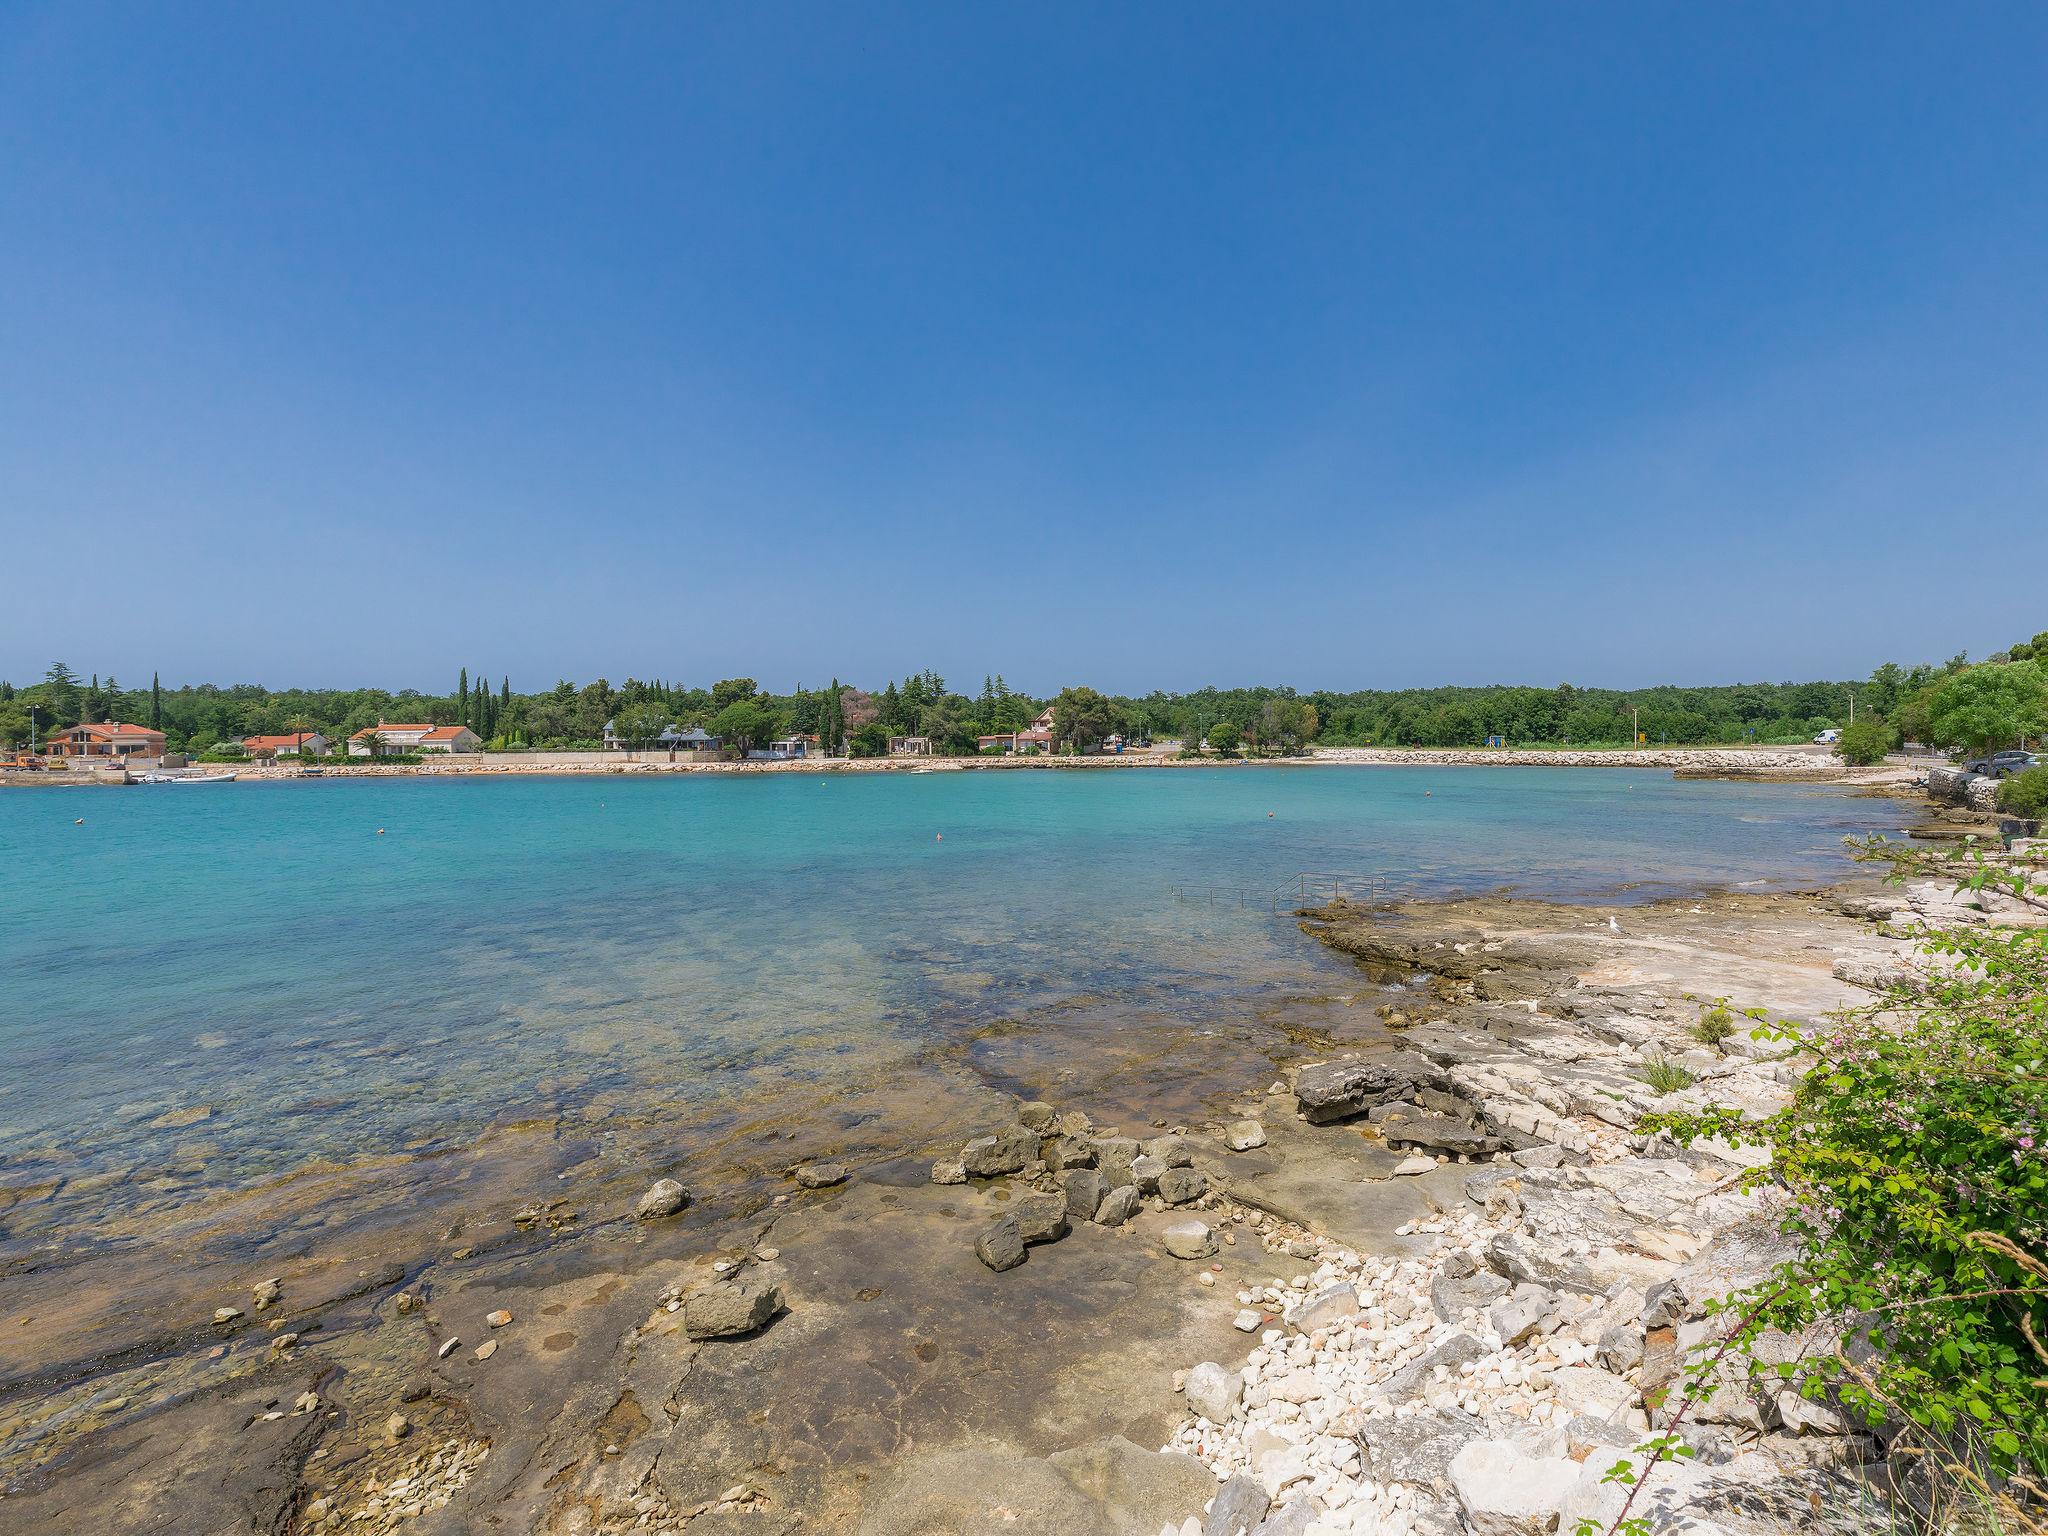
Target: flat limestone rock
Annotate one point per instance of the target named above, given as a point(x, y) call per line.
point(1106, 1487)
point(1336, 1090)
point(1417, 1449)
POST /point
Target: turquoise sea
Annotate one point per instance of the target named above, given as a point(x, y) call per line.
point(251, 975)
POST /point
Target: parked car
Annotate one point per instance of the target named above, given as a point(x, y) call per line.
point(2003, 765)
point(1827, 738)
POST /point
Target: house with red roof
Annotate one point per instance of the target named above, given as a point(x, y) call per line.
point(376, 740)
point(297, 744)
point(110, 738)
point(1036, 737)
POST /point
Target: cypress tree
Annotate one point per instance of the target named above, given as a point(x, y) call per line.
point(462, 698)
point(156, 703)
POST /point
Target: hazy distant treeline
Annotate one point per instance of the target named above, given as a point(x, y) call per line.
point(197, 717)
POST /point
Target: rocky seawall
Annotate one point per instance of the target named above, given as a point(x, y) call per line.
point(1718, 761)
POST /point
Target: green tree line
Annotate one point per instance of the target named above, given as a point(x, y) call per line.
point(1928, 703)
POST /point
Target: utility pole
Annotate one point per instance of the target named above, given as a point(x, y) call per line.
point(1635, 725)
point(1852, 704)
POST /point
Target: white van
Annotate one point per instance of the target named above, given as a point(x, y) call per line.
point(1827, 738)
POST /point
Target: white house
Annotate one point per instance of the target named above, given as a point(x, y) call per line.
point(412, 738)
point(297, 744)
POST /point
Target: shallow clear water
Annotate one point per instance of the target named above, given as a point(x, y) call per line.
point(510, 946)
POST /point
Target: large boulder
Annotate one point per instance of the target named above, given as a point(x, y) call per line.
point(1118, 1206)
point(1040, 1218)
point(1114, 1156)
point(1084, 1189)
point(1239, 1506)
point(1005, 1152)
point(1503, 1491)
point(1000, 1244)
point(1336, 1090)
point(664, 1197)
point(735, 1307)
point(1179, 1186)
point(1406, 1124)
point(1417, 1448)
point(1214, 1392)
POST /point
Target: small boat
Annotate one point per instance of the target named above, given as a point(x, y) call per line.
point(184, 778)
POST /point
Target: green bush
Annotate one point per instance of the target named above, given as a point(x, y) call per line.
point(2025, 794)
point(1913, 1166)
point(1866, 742)
point(1715, 1025)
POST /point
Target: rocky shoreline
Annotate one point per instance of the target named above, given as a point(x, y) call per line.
point(1423, 1277)
point(1763, 763)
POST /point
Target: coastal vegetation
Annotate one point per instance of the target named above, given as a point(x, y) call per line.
point(198, 717)
point(1912, 1160)
point(1953, 705)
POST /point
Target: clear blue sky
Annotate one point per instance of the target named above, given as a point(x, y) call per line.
point(1132, 345)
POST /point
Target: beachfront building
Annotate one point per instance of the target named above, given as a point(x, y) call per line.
point(1035, 737)
point(381, 738)
point(671, 738)
point(910, 746)
point(108, 739)
point(296, 744)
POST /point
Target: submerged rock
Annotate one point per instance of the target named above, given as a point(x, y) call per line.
point(664, 1197)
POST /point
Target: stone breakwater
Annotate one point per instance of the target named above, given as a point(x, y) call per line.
point(1714, 760)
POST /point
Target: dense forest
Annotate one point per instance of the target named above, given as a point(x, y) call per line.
point(208, 717)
